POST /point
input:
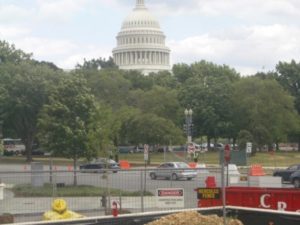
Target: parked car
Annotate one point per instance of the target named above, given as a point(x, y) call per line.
point(295, 179)
point(100, 165)
point(126, 149)
point(174, 171)
point(286, 173)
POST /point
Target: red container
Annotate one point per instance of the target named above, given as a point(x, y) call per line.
point(283, 199)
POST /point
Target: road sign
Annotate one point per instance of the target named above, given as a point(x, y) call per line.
point(249, 147)
point(208, 193)
point(146, 152)
point(170, 198)
point(227, 153)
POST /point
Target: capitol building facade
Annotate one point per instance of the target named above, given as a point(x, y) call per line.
point(141, 43)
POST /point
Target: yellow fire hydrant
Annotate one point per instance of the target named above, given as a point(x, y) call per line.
point(60, 212)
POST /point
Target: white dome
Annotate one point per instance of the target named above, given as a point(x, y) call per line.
point(141, 43)
point(140, 18)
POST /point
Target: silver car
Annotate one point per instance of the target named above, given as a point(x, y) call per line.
point(174, 171)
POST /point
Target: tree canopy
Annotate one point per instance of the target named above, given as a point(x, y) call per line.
point(96, 107)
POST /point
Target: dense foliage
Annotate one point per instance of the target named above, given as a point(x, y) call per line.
point(96, 107)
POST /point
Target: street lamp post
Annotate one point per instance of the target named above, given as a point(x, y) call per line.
point(188, 124)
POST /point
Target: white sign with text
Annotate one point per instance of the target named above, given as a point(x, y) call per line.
point(170, 198)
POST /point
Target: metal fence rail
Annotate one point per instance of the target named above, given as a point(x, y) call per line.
point(113, 185)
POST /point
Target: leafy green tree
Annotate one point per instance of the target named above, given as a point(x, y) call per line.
point(151, 129)
point(97, 64)
point(138, 80)
point(159, 100)
point(24, 89)
point(102, 130)
point(264, 109)
point(108, 85)
point(164, 79)
point(137, 127)
point(8, 53)
point(123, 118)
point(65, 121)
point(182, 72)
point(288, 75)
point(208, 92)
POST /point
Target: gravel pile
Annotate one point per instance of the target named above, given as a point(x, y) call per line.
point(193, 218)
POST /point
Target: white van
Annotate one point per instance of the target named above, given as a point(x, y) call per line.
point(13, 146)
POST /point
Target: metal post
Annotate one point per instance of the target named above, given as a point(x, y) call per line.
point(188, 122)
point(188, 125)
point(51, 168)
point(142, 192)
point(227, 175)
point(145, 183)
point(223, 193)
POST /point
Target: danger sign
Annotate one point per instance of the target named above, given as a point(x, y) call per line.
point(168, 192)
point(170, 198)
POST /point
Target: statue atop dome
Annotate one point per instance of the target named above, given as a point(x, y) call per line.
point(140, 4)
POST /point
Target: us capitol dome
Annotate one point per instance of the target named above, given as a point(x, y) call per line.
point(141, 43)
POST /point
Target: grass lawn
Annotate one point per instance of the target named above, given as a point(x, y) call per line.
point(69, 191)
point(278, 159)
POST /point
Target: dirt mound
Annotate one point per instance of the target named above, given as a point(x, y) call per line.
point(193, 218)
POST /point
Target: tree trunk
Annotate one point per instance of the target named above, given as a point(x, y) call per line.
point(208, 143)
point(299, 144)
point(28, 148)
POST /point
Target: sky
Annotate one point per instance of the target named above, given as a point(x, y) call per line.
point(247, 35)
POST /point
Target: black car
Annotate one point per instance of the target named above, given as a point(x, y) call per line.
point(286, 173)
point(100, 165)
point(295, 179)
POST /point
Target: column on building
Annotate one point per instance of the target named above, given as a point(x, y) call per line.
point(150, 57)
point(159, 57)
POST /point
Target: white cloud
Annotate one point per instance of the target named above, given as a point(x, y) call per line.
point(9, 32)
point(65, 54)
point(43, 47)
point(271, 30)
point(59, 10)
point(10, 13)
point(247, 48)
point(254, 10)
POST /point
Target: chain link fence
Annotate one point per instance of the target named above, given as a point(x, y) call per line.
point(28, 194)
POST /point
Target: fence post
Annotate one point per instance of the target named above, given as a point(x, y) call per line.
point(54, 188)
point(142, 192)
